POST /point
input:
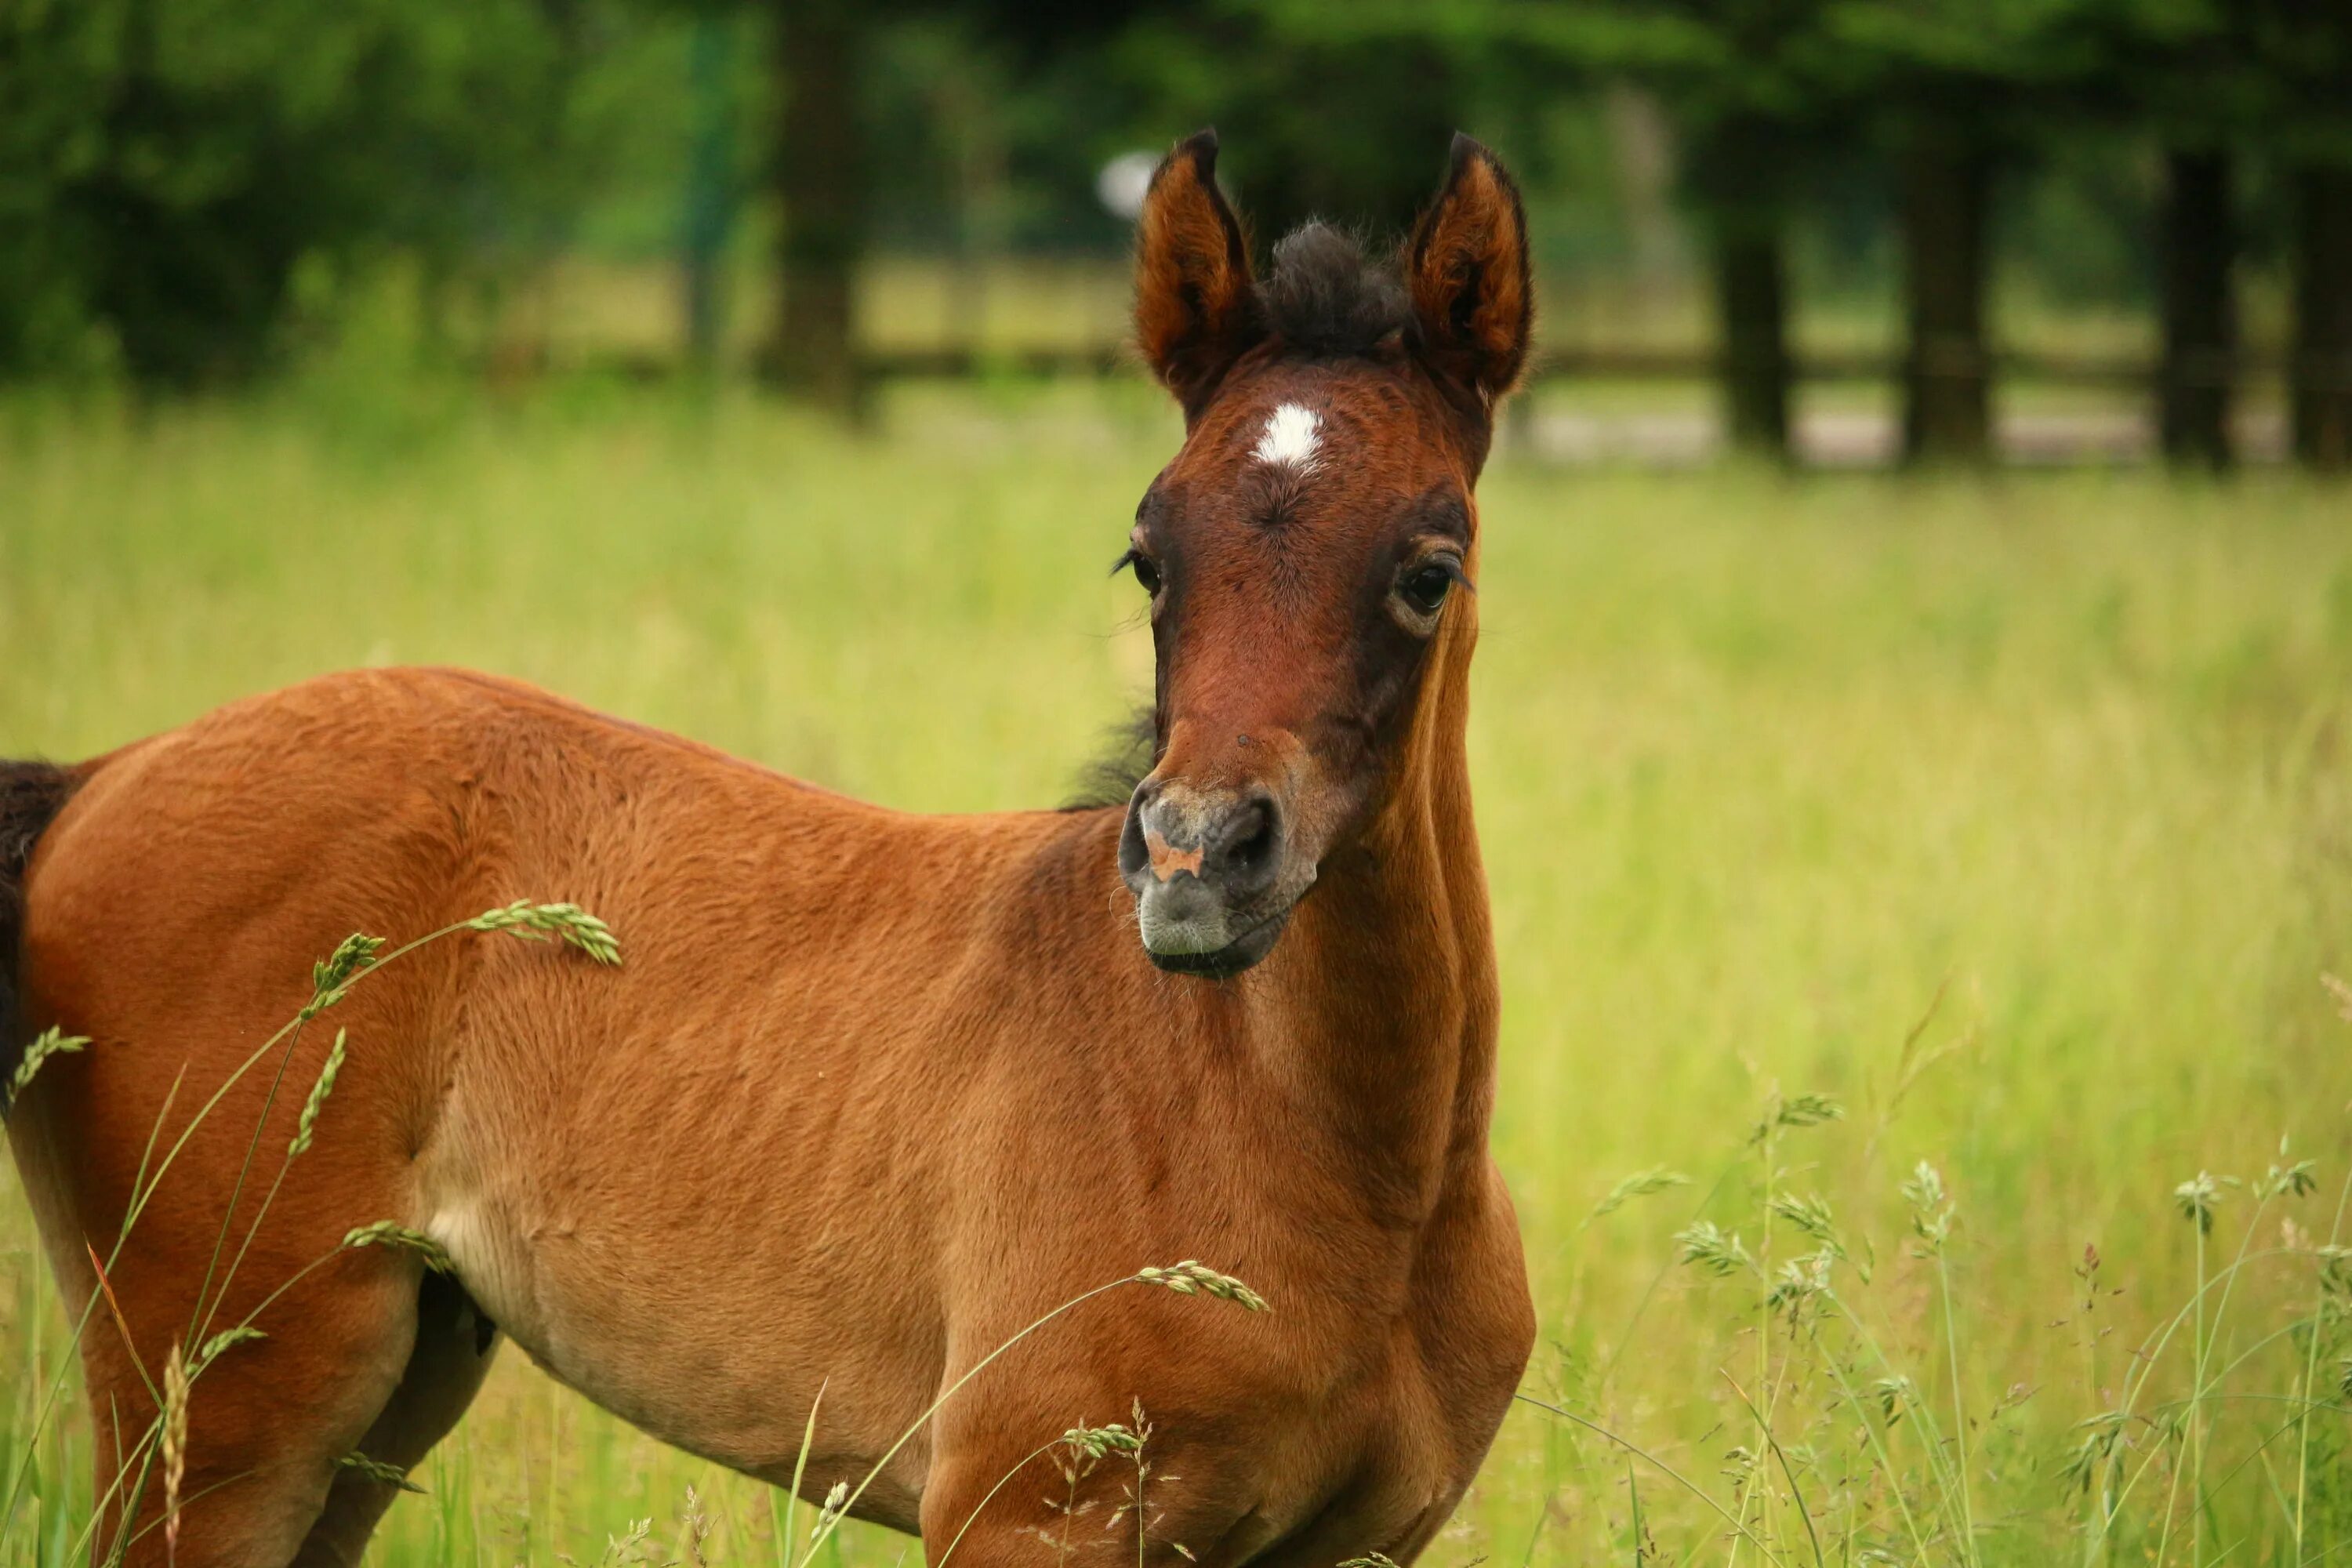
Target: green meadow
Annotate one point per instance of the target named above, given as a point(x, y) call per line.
point(1836, 825)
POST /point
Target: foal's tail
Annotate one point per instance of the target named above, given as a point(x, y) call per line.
point(31, 796)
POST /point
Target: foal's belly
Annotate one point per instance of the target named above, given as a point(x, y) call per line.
point(711, 1335)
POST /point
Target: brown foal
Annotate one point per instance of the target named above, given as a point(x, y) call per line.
point(870, 1091)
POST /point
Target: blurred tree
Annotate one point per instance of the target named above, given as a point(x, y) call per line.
point(1956, 89)
point(1762, 91)
point(2198, 248)
point(2304, 53)
point(1742, 171)
point(172, 162)
point(820, 183)
point(1766, 93)
point(2321, 356)
point(1944, 178)
point(2182, 68)
point(825, 178)
point(2210, 79)
point(711, 189)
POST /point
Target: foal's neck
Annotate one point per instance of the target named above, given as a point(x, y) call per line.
point(1394, 1000)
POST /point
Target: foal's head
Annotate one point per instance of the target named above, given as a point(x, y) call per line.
point(1309, 551)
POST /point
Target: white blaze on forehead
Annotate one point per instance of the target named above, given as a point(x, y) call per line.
point(1293, 435)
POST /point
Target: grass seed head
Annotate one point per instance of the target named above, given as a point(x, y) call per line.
point(1813, 1216)
point(1925, 1189)
point(175, 1443)
point(332, 977)
point(377, 1470)
point(1810, 1111)
point(568, 922)
point(697, 1528)
point(631, 1549)
point(834, 1501)
point(1640, 1185)
point(1191, 1276)
point(2198, 1197)
point(49, 1042)
point(1800, 1281)
point(2100, 1434)
point(2342, 993)
point(319, 1092)
point(227, 1339)
point(1932, 1211)
point(392, 1233)
point(2296, 1181)
point(1708, 1246)
point(334, 972)
point(1095, 1442)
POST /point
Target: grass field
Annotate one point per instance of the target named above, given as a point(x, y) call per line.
point(2014, 816)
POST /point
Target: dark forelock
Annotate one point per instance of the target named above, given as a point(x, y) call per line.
point(1324, 297)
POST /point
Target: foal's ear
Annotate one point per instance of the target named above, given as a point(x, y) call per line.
point(1467, 265)
point(1195, 313)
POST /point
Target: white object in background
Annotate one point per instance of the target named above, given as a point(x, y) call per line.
point(1122, 182)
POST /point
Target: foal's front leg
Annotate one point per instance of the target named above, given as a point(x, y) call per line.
point(1081, 1500)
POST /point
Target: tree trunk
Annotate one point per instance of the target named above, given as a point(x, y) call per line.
point(2321, 364)
point(820, 181)
point(2201, 324)
point(970, 108)
point(1751, 297)
point(1946, 408)
point(709, 195)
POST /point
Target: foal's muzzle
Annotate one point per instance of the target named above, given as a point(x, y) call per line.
point(1207, 868)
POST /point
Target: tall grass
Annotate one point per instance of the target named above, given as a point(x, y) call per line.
point(2010, 818)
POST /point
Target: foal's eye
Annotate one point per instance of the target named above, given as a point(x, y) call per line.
point(1425, 588)
point(1146, 573)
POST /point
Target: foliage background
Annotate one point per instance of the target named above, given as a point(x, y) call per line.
point(2007, 808)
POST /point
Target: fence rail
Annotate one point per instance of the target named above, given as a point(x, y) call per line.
point(950, 363)
point(953, 363)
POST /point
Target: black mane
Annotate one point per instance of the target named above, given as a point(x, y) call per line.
point(1325, 295)
point(1130, 750)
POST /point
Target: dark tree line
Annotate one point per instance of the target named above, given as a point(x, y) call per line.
point(170, 169)
point(1947, 98)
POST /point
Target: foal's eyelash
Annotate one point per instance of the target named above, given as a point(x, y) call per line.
point(1452, 569)
point(1128, 558)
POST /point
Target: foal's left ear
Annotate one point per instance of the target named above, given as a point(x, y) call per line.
point(1466, 264)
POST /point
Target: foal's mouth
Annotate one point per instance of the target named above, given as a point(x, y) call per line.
point(1243, 951)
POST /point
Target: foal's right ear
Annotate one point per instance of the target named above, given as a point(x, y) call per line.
point(1467, 267)
point(1195, 311)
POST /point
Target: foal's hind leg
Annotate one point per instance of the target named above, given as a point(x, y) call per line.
point(266, 1423)
point(445, 1367)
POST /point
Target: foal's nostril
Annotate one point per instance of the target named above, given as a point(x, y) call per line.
point(1250, 844)
point(1134, 854)
point(1257, 847)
